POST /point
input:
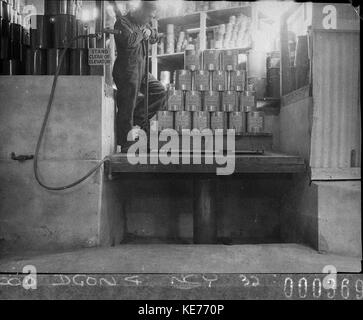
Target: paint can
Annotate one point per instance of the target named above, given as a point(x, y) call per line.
point(211, 101)
point(218, 120)
point(201, 120)
point(229, 60)
point(191, 59)
point(239, 80)
point(175, 100)
point(183, 120)
point(237, 121)
point(201, 80)
point(165, 120)
point(183, 80)
point(211, 60)
point(219, 80)
point(255, 122)
point(193, 101)
point(248, 101)
point(229, 101)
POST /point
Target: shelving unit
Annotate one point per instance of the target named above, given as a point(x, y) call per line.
point(201, 22)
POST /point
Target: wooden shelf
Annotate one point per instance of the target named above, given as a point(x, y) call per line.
point(215, 17)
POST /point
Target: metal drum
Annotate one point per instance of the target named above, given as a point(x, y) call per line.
point(193, 101)
point(53, 58)
point(211, 101)
point(239, 80)
point(165, 120)
point(211, 60)
point(183, 120)
point(255, 122)
point(229, 60)
point(4, 48)
point(79, 62)
point(229, 102)
point(175, 100)
point(218, 120)
point(219, 80)
point(237, 121)
point(10, 67)
point(201, 120)
point(183, 80)
point(191, 60)
point(54, 7)
point(82, 30)
point(41, 32)
point(201, 80)
point(64, 30)
point(15, 50)
point(36, 62)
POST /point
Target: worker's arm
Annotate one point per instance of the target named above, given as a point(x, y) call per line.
point(129, 37)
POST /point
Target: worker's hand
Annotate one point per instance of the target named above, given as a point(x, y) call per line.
point(146, 33)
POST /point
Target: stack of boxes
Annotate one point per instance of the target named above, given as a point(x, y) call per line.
point(210, 93)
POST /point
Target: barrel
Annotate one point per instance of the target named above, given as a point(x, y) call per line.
point(79, 62)
point(53, 59)
point(36, 62)
point(64, 30)
point(41, 29)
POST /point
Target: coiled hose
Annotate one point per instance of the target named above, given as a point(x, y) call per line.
point(45, 120)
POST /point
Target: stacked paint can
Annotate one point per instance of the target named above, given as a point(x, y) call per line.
point(13, 38)
point(210, 93)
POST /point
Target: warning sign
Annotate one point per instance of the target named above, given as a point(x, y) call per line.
point(99, 56)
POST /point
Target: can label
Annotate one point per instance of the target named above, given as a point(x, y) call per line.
point(175, 100)
point(165, 120)
point(218, 120)
point(219, 81)
point(201, 120)
point(237, 121)
point(183, 120)
point(192, 101)
point(202, 80)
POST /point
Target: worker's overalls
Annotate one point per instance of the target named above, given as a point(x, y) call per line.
point(129, 76)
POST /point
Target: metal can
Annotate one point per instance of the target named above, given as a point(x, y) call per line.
point(211, 59)
point(237, 121)
point(201, 120)
point(191, 59)
point(165, 120)
point(255, 122)
point(175, 100)
point(211, 101)
point(41, 32)
point(201, 80)
point(183, 80)
point(219, 80)
point(193, 101)
point(229, 60)
point(183, 120)
point(218, 120)
point(239, 80)
point(248, 100)
point(229, 103)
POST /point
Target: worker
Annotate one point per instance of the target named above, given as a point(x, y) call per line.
point(129, 72)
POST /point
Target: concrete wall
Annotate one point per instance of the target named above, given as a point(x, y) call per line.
point(79, 134)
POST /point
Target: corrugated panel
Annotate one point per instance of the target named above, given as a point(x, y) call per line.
point(336, 130)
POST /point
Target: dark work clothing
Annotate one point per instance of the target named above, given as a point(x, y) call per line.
point(129, 76)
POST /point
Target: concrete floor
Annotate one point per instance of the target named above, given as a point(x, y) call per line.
point(267, 258)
